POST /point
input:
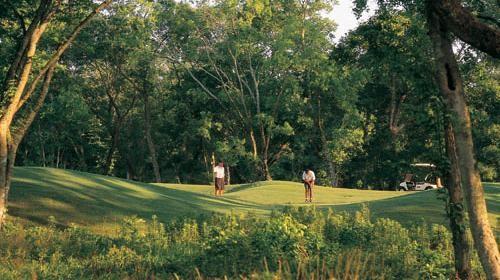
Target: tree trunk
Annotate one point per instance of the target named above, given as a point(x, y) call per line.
point(266, 172)
point(254, 144)
point(9, 142)
point(228, 174)
point(15, 96)
point(58, 156)
point(149, 138)
point(4, 179)
point(6, 167)
point(8, 112)
point(42, 147)
point(395, 111)
point(44, 161)
point(456, 210)
point(260, 167)
point(451, 87)
point(332, 170)
point(130, 170)
point(114, 143)
point(80, 152)
point(265, 165)
point(332, 174)
point(207, 166)
point(212, 171)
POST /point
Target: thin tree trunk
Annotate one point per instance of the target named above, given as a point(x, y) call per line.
point(117, 120)
point(130, 170)
point(331, 171)
point(258, 164)
point(265, 154)
point(44, 161)
point(4, 178)
point(456, 210)
point(265, 170)
point(80, 152)
point(451, 87)
point(57, 156)
point(213, 165)
point(254, 144)
point(149, 138)
point(42, 147)
point(207, 166)
point(114, 144)
point(332, 174)
point(228, 174)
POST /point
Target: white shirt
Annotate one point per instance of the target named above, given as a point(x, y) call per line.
point(219, 172)
point(308, 176)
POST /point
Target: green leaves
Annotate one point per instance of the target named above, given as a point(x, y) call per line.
point(252, 82)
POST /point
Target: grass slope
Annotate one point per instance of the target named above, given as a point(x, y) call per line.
point(99, 202)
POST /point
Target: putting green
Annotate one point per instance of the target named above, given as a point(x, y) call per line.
point(100, 202)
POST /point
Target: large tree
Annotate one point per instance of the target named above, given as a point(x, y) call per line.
point(249, 58)
point(19, 100)
point(445, 19)
point(451, 86)
point(398, 105)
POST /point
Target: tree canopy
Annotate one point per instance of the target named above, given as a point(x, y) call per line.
point(261, 85)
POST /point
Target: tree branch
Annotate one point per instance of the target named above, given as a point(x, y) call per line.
point(467, 27)
point(60, 50)
point(22, 49)
point(23, 124)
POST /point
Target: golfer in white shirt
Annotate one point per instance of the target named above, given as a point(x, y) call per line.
point(219, 179)
point(308, 178)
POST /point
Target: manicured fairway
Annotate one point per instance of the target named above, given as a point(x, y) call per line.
point(100, 202)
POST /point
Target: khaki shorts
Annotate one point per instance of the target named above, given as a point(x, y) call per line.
point(219, 183)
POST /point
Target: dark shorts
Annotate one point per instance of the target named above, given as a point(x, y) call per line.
point(307, 186)
point(219, 183)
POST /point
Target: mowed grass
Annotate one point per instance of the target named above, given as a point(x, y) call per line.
point(101, 202)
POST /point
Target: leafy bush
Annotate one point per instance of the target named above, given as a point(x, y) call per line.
point(296, 242)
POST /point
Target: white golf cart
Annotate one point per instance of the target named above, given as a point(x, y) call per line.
point(412, 182)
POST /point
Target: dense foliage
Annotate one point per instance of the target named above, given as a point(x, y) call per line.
point(154, 90)
point(298, 242)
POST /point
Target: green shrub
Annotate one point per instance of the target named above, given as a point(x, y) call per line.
point(297, 242)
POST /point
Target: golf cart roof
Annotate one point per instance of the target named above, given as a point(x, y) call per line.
point(423, 165)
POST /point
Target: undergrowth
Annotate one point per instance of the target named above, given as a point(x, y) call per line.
point(298, 243)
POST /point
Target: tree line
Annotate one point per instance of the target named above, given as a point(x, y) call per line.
point(153, 90)
point(157, 90)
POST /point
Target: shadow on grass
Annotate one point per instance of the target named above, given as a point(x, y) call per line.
point(72, 196)
point(416, 207)
point(243, 187)
point(90, 199)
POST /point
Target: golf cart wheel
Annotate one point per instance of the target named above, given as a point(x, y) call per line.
point(402, 189)
point(428, 188)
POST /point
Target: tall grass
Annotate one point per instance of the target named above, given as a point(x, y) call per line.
point(295, 243)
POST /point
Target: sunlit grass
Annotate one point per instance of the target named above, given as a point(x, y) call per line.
point(99, 201)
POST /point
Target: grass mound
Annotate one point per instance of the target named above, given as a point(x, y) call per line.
point(100, 202)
